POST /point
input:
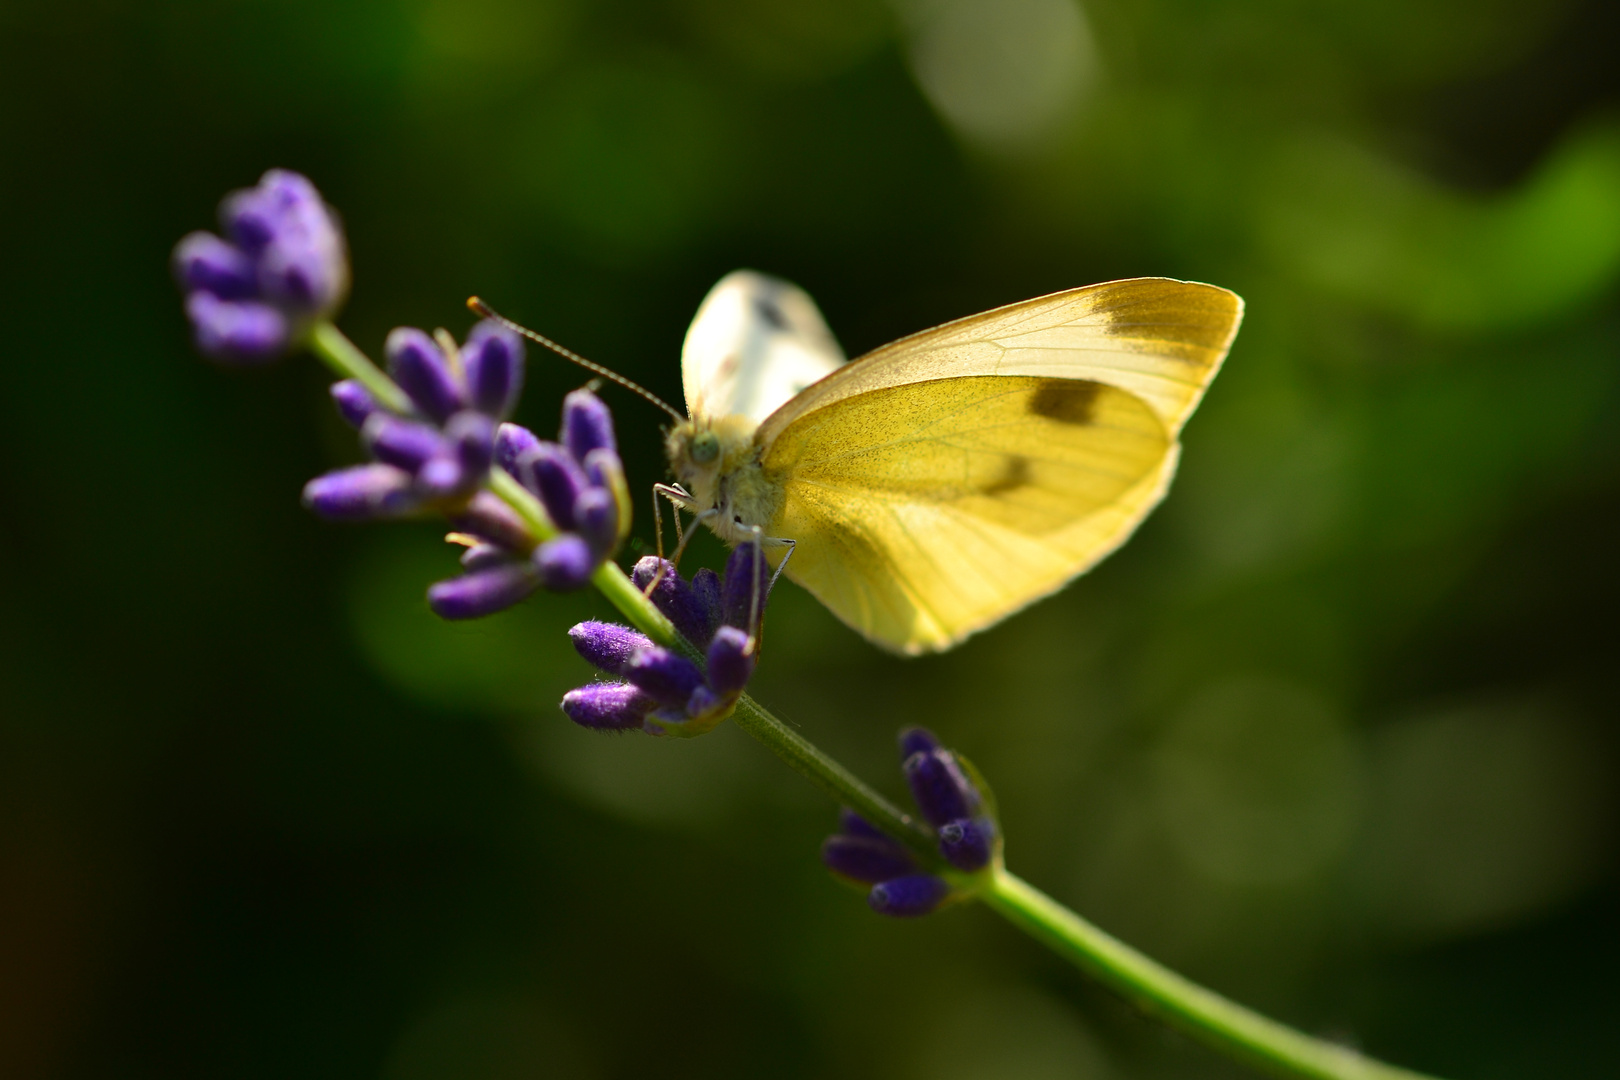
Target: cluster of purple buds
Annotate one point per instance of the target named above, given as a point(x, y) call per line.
point(281, 266)
point(580, 483)
point(439, 455)
point(950, 801)
point(659, 690)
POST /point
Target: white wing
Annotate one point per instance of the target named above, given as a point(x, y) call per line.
point(756, 342)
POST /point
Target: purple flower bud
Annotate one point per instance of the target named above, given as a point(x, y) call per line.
point(547, 470)
point(473, 436)
point(204, 261)
point(596, 516)
point(419, 366)
point(406, 444)
point(511, 442)
point(855, 825)
point(245, 331)
point(482, 556)
point(608, 706)
point(483, 592)
point(493, 359)
point(704, 703)
point(746, 587)
point(909, 896)
point(354, 402)
point(731, 661)
point(486, 516)
point(587, 425)
point(361, 493)
point(967, 843)
point(942, 792)
point(667, 676)
point(706, 594)
point(442, 476)
point(677, 599)
point(565, 563)
point(864, 859)
point(294, 240)
point(915, 740)
point(608, 645)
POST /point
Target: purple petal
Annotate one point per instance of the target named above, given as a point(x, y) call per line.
point(354, 402)
point(677, 599)
point(473, 436)
point(608, 645)
point(493, 358)
point(403, 443)
point(483, 592)
point(489, 518)
point(565, 563)
point(705, 702)
point(909, 896)
point(607, 706)
point(596, 516)
point(547, 470)
point(419, 366)
point(938, 785)
point(916, 740)
point(744, 593)
point(731, 661)
point(706, 593)
point(204, 261)
point(863, 859)
point(442, 476)
point(308, 273)
point(361, 493)
point(511, 442)
point(967, 843)
point(586, 425)
point(665, 675)
point(244, 331)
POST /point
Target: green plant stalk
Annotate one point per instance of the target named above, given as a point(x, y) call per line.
point(1216, 1021)
point(1205, 1015)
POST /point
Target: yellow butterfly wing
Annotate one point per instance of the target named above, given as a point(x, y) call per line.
point(941, 483)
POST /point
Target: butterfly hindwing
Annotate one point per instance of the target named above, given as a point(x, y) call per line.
point(925, 511)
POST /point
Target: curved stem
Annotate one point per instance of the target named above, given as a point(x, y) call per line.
point(1208, 1017)
point(1214, 1020)
point(344, 357)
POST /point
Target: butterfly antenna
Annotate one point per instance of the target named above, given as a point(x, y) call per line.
point(478, 307)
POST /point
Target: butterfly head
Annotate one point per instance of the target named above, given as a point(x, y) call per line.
point(704, 451)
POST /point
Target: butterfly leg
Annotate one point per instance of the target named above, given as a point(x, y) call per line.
point(761, 542)
point(680, 499)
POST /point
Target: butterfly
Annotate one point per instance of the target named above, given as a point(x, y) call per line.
point(938, 484)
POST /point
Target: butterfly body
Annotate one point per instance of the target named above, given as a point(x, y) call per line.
point(936, 485)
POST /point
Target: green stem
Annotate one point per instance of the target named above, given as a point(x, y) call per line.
point(1210, 1018)
point(344, 357)
point(804, 758)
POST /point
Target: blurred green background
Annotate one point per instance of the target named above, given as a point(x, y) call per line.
point(1335, 733)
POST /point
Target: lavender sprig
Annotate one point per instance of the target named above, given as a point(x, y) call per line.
point(281, 267)
point(661, 691)
point(950, 801)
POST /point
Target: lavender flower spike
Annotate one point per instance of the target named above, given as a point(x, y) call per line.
point(282, 268)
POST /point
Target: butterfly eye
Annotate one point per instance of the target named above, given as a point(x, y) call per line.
point(705, 447)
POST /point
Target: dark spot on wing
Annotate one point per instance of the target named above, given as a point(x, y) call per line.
point(770, 313)
point(1013, 477)
point(1068, 401)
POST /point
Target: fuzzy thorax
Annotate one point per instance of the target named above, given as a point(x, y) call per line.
point(717, 461)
